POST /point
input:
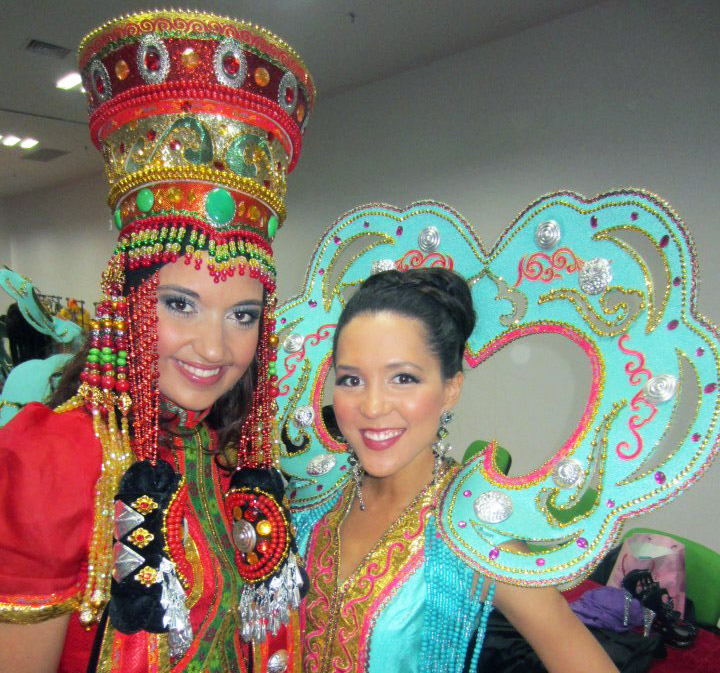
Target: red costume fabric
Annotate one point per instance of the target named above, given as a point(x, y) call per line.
point(49, 464)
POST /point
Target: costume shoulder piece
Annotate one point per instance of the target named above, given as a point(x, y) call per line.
point(615, 275)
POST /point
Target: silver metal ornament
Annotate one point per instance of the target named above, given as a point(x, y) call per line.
point(429, 240)
point(125, 561)
point(278, 662)
point(126, 518)
point(493, 506)
point(304, 416)
point(547, 234)
point(244, 536)
point(568, 473)
point(288, 83)
point(293, 342)
point(660, 388)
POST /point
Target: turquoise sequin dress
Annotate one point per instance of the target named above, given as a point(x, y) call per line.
point(410, 606)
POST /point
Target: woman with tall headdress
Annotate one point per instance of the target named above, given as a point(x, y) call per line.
point(142, 521)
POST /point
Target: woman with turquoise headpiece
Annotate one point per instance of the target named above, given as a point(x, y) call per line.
point(386, 593)
point(31, 373)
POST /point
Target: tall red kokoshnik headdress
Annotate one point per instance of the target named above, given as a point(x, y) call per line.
point(199, 119)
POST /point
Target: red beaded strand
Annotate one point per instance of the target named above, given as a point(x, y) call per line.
point(258, 432)
point(143, 370)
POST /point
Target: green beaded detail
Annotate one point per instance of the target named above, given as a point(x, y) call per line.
point(145, 199)
point(118, 219)
point(272, 226)
point(220, 206)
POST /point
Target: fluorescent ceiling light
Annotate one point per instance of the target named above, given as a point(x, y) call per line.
point(28, 143)
point(9, 141)
point(69, 81)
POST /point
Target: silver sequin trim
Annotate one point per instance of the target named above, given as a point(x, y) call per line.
point(493, 507)
point(148, 42)
point(288, 82)
point(97, 69)
point(595, 276)
point(547, 234)
point(229, 47)
point(380, 265)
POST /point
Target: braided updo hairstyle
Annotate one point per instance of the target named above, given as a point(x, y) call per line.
point(438, 298)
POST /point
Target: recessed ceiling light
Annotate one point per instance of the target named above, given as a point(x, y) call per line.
point(69, 81)
point(9, 141)
point(28, 143)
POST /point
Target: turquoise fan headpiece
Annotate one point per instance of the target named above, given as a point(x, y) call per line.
point(617, 276)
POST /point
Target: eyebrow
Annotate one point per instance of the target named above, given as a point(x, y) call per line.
point(194, 295)
point(391, 365)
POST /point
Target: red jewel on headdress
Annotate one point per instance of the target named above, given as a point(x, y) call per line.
point(152, 59)
point(231, 64)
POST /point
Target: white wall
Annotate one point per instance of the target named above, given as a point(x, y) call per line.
point(5, 256)
point(622, 94)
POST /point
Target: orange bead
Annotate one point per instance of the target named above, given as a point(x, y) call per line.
point(122, 69)
point(262, 77)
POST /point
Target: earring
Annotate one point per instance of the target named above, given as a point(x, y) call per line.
point(357, 473)
point(439, 447)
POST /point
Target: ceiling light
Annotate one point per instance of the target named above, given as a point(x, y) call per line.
point(9, 141)
point(69, 81)
point(28, 143)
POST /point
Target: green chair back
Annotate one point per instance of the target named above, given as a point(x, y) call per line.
point(503, 460)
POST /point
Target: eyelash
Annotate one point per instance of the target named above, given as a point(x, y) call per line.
point(246, 317)
point(402, 378)
point(172, 302)
point(179, 305)
point(409, 378)
point(345, 381)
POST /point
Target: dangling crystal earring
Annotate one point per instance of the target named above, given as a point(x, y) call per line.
point(357, 474)
point(439, 447)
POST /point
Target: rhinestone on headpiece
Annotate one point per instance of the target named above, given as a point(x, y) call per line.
point(304, 416)
point(380, 265)
point(595, 275)
point(321, 464)
point(568, 473)
point(493, 506)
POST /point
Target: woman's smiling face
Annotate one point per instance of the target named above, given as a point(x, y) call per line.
point(389, 393)
point(207, 333)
